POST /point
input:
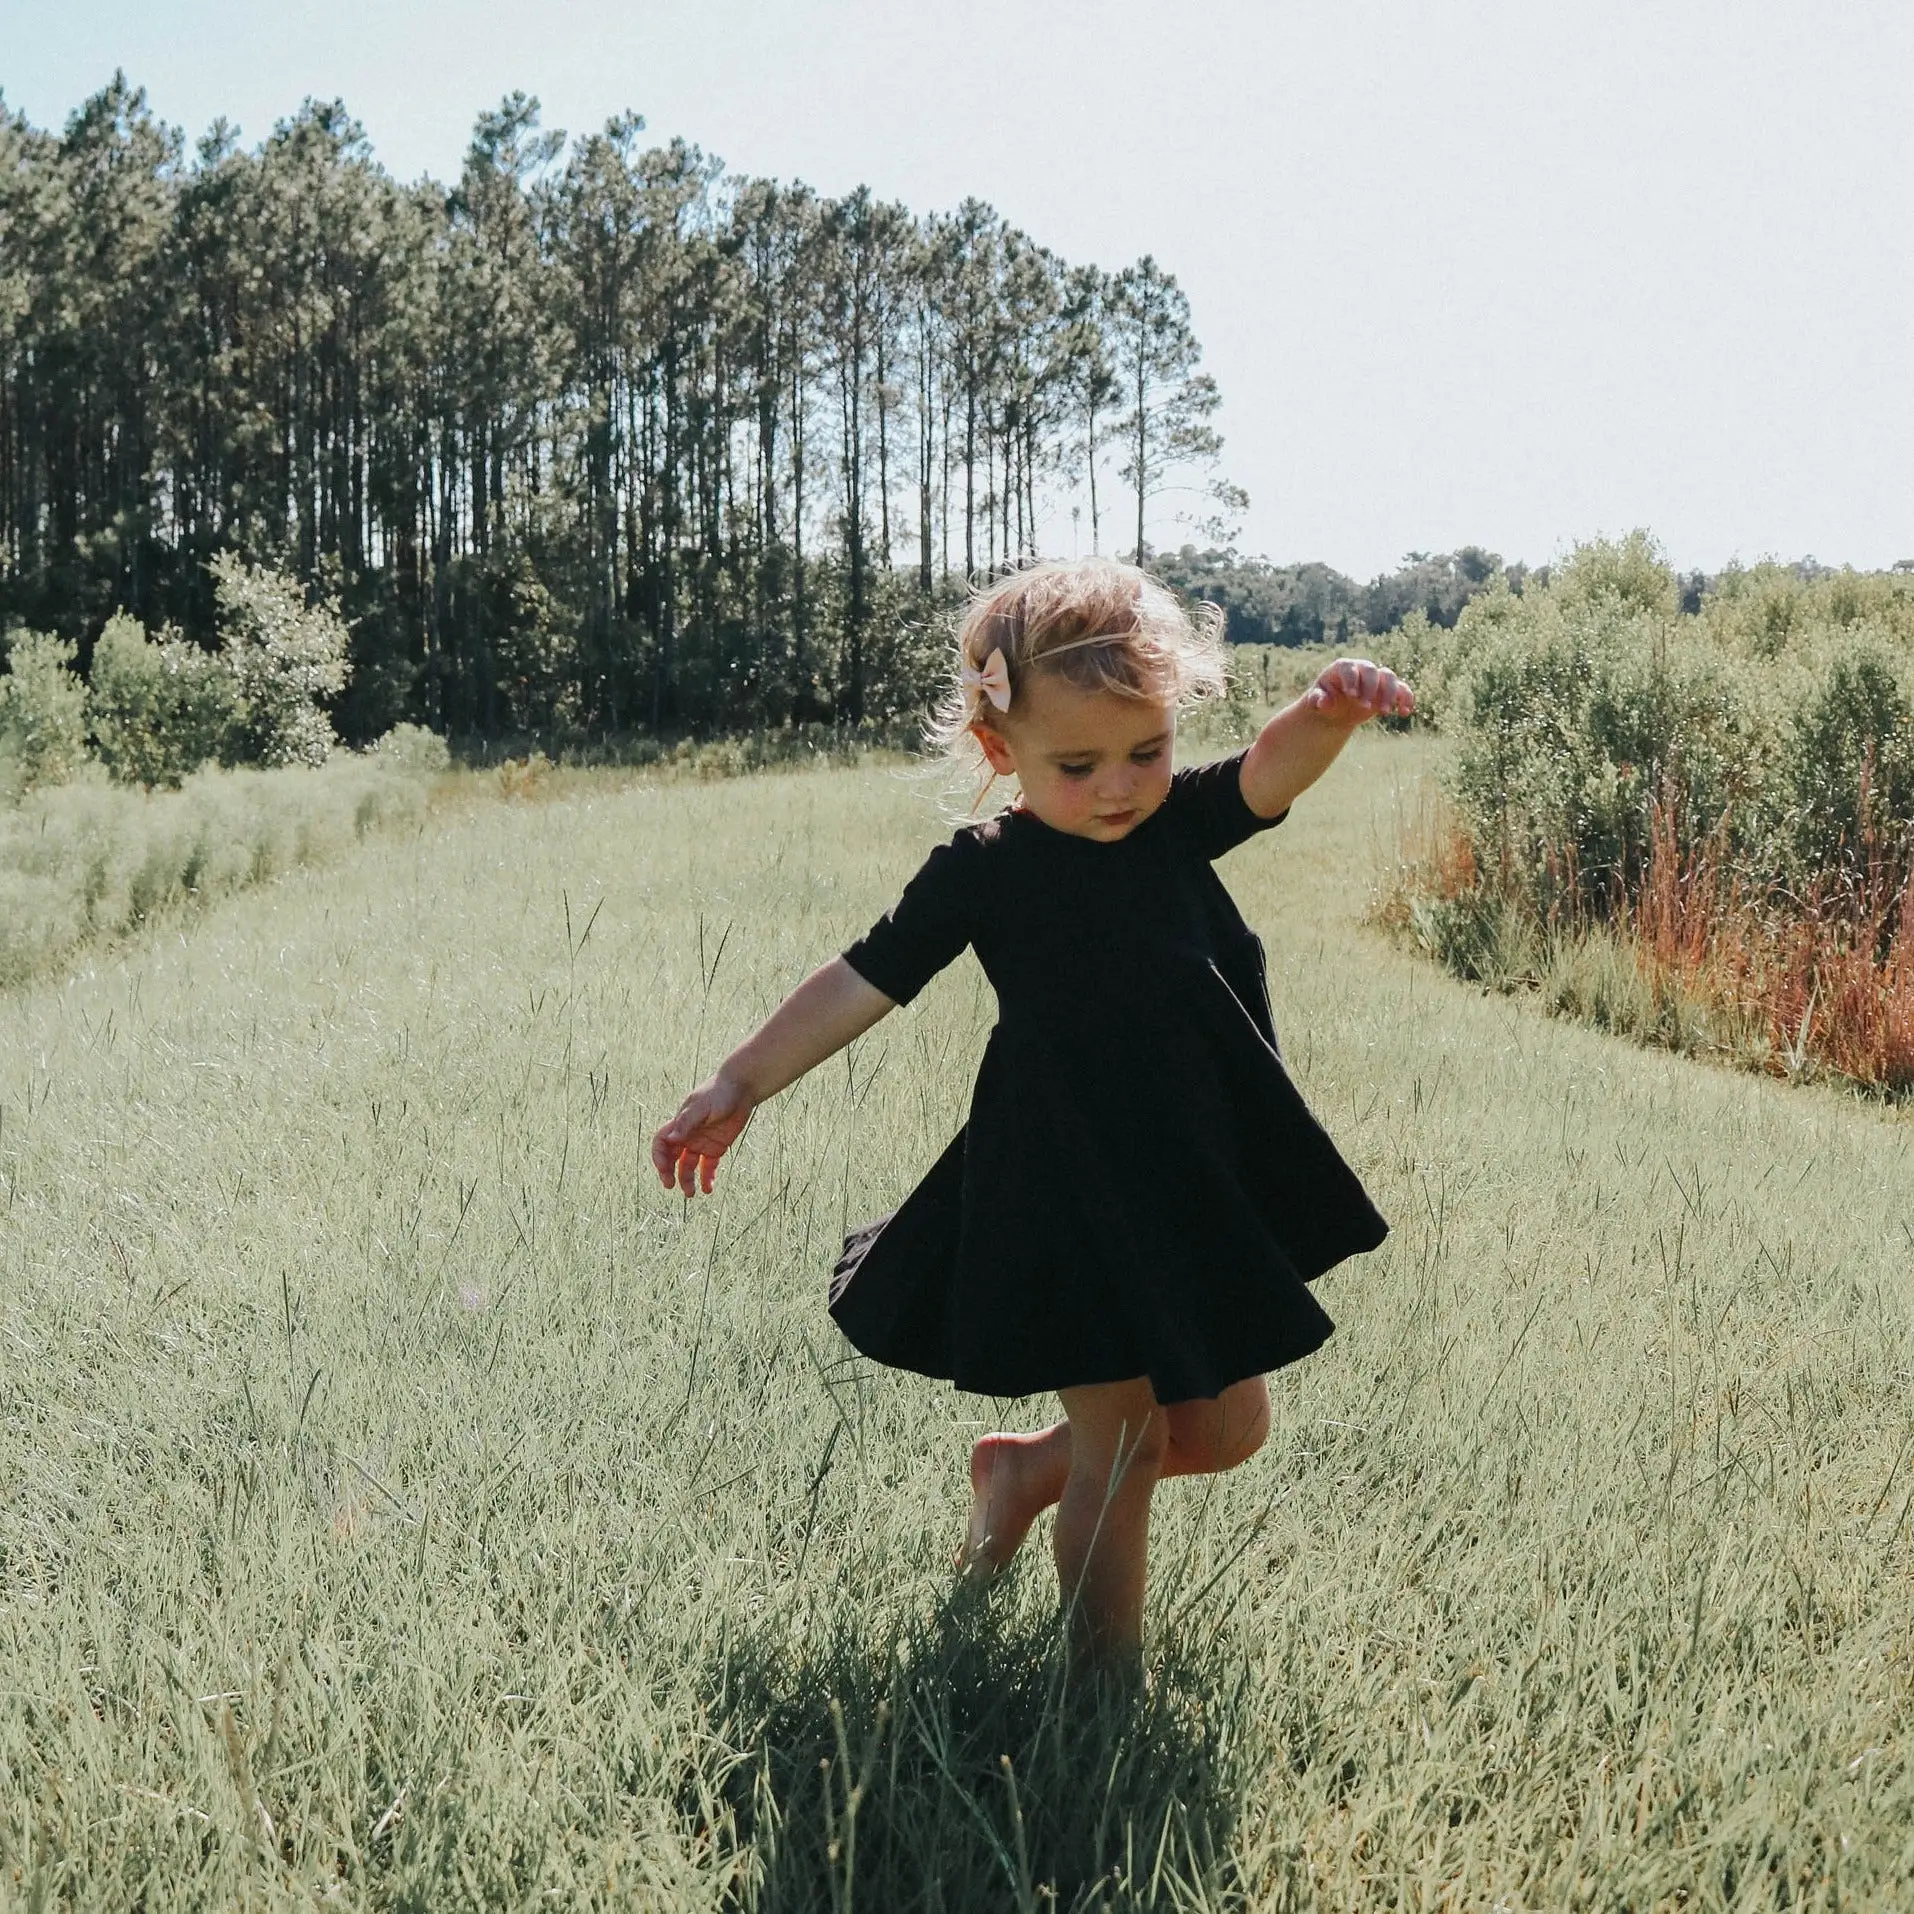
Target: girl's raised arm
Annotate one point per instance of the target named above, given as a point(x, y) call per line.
point(824, 1013)
point(1301, 741)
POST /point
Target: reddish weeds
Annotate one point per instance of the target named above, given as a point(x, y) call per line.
point(1827, 978)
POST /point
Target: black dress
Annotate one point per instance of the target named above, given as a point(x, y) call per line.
point(1139, 1190)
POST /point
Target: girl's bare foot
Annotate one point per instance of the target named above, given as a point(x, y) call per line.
point(1013, 1479)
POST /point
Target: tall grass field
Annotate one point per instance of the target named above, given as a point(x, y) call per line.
point(406, 1504)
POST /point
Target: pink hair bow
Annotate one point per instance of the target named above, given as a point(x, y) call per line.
point(993, 679)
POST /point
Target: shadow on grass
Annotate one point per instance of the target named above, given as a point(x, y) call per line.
point(953, 1767)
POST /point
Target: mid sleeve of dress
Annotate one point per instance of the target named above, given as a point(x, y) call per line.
point(927, 928)
point(1208, 802)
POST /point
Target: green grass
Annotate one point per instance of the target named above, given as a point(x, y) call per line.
point(403, 1503)
point(90, 863)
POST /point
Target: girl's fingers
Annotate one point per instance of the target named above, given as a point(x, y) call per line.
point(685, 1152)
point(696, 1171)
point(1373, 688)
point(1332, 685)
point(668, 1145)
point(664, 1156)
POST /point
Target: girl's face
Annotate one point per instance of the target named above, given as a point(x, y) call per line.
point(1090, 762)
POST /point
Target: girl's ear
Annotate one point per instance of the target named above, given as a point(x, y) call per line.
point(995, 750)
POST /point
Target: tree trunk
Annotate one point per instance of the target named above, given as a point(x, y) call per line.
point(970, 474)
point(883, 456)
point(1142, 447)
point(1090, 439)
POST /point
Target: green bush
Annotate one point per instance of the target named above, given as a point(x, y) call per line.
point(1575, 718)
point(1775, 726)
point(42, 713)
point(284, 657)
point(1631, 572)
point(1773, 612)
point(1435, 659)
point(413, 749)
point(1850, 768)
point(1697, 828)
point(159, 709)
point(535, 654)
point(92, 862)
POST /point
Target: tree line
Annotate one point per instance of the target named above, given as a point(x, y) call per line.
point(596, 436)
point(1311, 603)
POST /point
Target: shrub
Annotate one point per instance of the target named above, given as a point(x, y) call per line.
point(159, 709)
point(1632, 572)
point(95, 861)
point(284, 657)
point(1773, 611)
point(413, 749)
point(535, 654)
point(1850, 771)
point(42, 713)
point(1574, 719)
point(1763, 611)
point(1723, 800)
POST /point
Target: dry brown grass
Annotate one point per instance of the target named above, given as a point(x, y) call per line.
point(1820, 982)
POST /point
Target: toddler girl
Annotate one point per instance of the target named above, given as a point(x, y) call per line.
point(1133, 1210)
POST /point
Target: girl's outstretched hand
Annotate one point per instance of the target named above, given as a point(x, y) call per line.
point(686, 1150)
point(1354, 691)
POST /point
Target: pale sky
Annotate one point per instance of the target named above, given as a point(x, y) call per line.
point(1482, 272)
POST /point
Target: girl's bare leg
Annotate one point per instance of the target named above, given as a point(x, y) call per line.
point(1119, 1437)
point(1014, 1478)
point(1213, 1433)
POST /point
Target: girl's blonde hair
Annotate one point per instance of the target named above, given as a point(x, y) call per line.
point(1098, 624)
